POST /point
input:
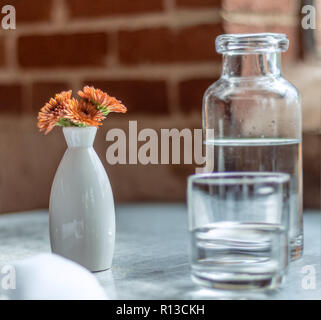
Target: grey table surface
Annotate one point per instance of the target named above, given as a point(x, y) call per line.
point(151, 255)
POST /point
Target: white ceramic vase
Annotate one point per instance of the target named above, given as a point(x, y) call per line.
point(81, 210)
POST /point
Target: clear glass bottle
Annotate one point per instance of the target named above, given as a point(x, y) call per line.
point(256, 116)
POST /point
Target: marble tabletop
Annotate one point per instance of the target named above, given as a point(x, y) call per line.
point(151, 255)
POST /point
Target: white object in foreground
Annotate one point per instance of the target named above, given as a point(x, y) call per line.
point(51, 277)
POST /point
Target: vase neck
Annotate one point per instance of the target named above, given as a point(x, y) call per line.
point(80, 137)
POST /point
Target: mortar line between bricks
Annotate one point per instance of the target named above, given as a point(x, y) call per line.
point(11, 52)
point(161, 121)
point(27, 96)
point(260, 19)
point(112, 55)
point(75, 83)
point(173, 96)
point(177, 19)
point(59, 14)
point(169, 5)
point(177, 72)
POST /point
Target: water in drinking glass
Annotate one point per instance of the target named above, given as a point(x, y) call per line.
point(232, 255)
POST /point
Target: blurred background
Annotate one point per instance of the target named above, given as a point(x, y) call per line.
point(158, 57)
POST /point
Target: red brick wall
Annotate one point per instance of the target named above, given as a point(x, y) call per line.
point(157, 56)
point(161, 47)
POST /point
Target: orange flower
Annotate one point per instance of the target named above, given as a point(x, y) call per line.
point(53, 111)
point(102, 100)
point(63, 96)
point(83, 113)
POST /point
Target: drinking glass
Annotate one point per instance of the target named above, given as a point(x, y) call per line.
point(239, 226)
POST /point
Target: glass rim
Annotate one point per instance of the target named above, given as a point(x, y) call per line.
point(241, 177)
point(251, 43)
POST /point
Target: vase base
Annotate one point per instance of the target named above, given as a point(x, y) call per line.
point(91, 269)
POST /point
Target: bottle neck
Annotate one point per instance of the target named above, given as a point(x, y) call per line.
point(252, 65)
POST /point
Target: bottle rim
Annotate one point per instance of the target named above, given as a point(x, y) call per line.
point(247, 43)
